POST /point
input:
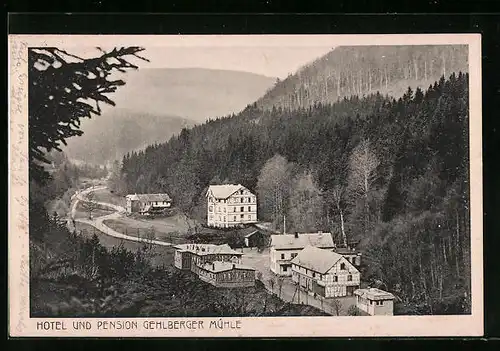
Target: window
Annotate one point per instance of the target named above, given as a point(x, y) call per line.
point(234, 218)
point(342, 266)
point(282, 256)
point(249, 200)
point(294, 255)
point(224, 218)
point(234, 209)
point(285, 268)
point(211, 208)
point(349, 278)
point(242, 209)
point(335, 278)
point(314, 275)
point(242, 216)
point(224, 210)
point(249, 217)
point(249, 208)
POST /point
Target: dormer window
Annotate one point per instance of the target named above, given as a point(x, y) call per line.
point(342, 266)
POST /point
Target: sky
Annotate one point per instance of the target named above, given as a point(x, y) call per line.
point(269, 61)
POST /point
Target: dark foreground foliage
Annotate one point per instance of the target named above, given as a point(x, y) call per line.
point(75, 276)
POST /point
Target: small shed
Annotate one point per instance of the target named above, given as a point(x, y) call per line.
point(255, 239)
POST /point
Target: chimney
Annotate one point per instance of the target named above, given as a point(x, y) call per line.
point(296, 235)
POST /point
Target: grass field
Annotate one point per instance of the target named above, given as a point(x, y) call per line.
point(106, 196)
point(162, 255)
point(81, 212)
point(171, 229)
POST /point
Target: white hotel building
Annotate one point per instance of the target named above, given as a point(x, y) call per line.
point(230, 205)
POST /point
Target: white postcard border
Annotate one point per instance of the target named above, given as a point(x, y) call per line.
point(20, 323)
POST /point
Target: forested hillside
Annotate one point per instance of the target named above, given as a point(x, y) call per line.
point(362, 70)
point(390, 172)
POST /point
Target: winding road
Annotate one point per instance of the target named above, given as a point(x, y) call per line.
point(98, 222)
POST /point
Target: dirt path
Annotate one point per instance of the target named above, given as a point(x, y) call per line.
point(98, 223)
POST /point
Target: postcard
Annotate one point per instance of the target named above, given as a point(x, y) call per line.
point(245, 186)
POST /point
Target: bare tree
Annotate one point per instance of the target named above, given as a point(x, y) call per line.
point(89, 204)
point(337, 306)
point(273, 187)
point(338, 193)
point(305, 204)
point(280, 282)
point(362, 165)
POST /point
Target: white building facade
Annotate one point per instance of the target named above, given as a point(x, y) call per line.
point(230, 205)
point(285, 247)
point(375, 302)
point(325, 273)
point(147, 203)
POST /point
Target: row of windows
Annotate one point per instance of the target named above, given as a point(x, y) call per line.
point(235, 218)
point(233, 200)
point(242, 209)
point(292, 256)
point(335, 278)
point(365, 301)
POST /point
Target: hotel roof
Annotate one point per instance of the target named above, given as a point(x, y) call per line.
point(207, 249)
point(315, 259)
point(224, 191)
point(220, 266)
point(292, 241)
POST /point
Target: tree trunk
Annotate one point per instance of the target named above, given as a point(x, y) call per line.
point(342, 227)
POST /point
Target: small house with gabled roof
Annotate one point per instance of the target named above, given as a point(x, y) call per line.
point(285, 247)
point(147, 203)
point(325, 273)
point(230, 205)
point(375, 302)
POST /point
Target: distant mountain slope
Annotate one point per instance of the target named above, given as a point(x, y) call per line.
point(193, 93)
point(148, 107)
point(119, 131)
point(360, 70)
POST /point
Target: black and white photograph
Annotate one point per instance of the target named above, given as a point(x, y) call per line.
point(204, 178)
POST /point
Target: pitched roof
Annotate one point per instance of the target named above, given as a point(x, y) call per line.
point(315, 259)
point(374, 294)
point(149, 197)
point(252, 233)
point(224, 191)
point(289, 241)
point(220, 266)
point(208, 249)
